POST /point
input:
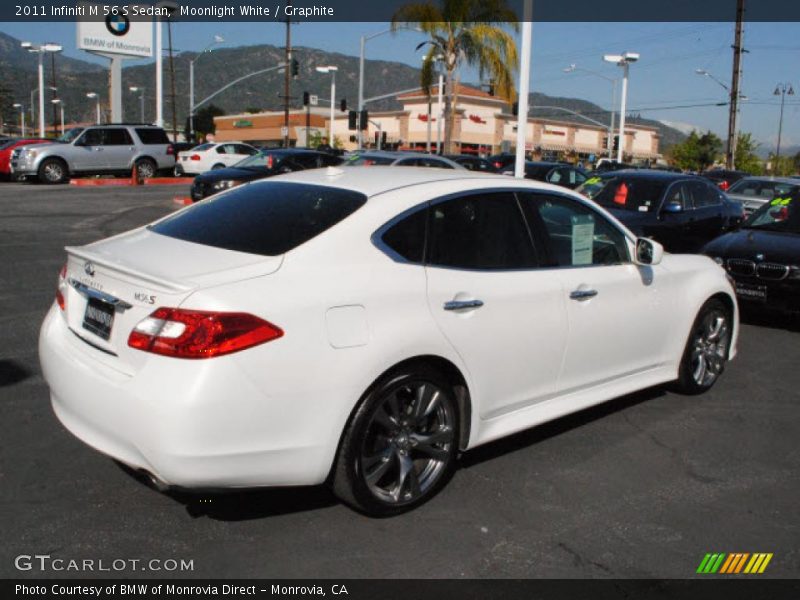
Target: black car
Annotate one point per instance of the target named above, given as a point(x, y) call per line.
point(763, 256)
point(563, 174)
point(264, 164)
point(503, 162)
point(682, 212)
point(473, 163)
point(724, 178)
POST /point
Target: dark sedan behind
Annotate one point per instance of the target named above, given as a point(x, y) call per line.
point(682, 212)
point(266, 163)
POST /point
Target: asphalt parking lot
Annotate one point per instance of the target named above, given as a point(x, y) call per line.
point(643, 486)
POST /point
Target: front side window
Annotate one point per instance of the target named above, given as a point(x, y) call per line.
point(574, 235)
point(679, 195)
point(92, 137)
point(704, 195)
point(480, 231)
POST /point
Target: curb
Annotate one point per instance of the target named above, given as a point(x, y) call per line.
point(129, 182)
point(182, 200)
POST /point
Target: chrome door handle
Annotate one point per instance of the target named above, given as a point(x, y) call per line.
point(582, 294)
point(459, 304)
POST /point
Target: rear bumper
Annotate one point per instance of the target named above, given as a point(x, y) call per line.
point(190, 425)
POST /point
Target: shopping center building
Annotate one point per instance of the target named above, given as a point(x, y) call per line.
point(484, 124)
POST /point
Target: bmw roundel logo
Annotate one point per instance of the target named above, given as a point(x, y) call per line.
point(118, 25)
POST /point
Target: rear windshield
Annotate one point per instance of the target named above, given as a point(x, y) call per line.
point(625, 193)
point(267, 218)
point(366, 160)
point(761, 188)
point(152, 135)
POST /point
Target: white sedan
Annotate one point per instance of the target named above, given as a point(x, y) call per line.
point(206, 157)
point(363, 326)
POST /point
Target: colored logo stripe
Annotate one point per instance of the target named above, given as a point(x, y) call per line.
point(734, 563)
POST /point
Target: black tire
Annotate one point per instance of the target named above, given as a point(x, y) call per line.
point(706, 351)
point(401, 444)
point(53, 171)
point(146, 168)
point(217, 166)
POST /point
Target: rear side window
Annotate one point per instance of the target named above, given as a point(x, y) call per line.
point(267, 218)
point(367, 160)
point(625, 193)
point(152, 136)
point(480, 231)
point(118, 137)
point(407, 237)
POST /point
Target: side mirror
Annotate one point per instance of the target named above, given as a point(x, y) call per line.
point(672, 207)
point(648, 252)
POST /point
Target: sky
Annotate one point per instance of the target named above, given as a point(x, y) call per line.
point(663, 84)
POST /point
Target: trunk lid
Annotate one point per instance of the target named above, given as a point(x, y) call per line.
point(115, 283)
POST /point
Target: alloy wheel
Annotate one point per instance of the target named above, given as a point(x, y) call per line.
point(709, 347)
point(408, 443)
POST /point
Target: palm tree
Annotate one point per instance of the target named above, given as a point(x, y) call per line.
point(464, 32)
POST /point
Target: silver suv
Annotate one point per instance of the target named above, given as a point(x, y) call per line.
point(97, 150)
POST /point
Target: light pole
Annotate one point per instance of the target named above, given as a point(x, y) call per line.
point(41, 50)
point(218, 39)
point(61, 106)
point(730, 151)
point(140, 89)
point(624, 61)
point(97, 105)
point(781, 90)
point(21, 108)
point(364, 40)
point(610, 143)
point(332, 70)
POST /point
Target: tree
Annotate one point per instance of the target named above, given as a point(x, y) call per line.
point(7, 110)
point(464, 32)
point(746, 158)
point(781, 167)
point(697, 152)
point(204, 119)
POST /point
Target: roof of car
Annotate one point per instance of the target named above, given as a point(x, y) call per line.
point(770, 178)
point(648, 174)
point(378, 179)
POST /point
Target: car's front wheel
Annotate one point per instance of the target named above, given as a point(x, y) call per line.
point(706, 350)
point(53, 170)
point(401, 445)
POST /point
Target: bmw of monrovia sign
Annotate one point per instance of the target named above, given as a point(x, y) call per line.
point(113, 30)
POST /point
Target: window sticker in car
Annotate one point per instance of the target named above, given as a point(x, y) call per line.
point(781, 202)
point(593, 180)
point(582, 239)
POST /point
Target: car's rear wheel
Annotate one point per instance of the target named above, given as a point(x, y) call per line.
point(53, 171)
point(401, 445)
point(217, 166)
point(706, 350)
point(145, 168)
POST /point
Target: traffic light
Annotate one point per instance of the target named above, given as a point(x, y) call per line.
point(616, 144)
point(306, 98)
point(363, 121)
point(352, 120)
point(295, 68)
point(343, 105)
point(383, 138)
point(515, 109)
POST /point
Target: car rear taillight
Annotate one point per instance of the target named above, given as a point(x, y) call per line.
point(497, 164)
point(270, 161)
point(724, 185)
point(200, 334)
point(194, 157)
point(61, 290)
point(170, 149)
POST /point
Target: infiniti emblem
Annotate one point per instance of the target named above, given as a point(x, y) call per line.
point(759, 257)
point(88, 268)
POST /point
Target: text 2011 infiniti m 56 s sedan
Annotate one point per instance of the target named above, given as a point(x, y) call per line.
point(361, 327)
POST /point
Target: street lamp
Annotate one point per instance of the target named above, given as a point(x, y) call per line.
point(624, 61)
point(21, 108)
point(571, 69)
point(218, 39)
point(332, 70)
point(364, 40)
point(781, 90)
point(730, 151)
point(97, 106)
point(41, 50)
point(61, 105)
point(140, 89)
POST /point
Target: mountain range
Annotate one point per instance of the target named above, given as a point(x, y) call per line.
point(74, 78)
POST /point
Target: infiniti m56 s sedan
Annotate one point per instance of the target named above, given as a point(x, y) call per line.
point(362, 327)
